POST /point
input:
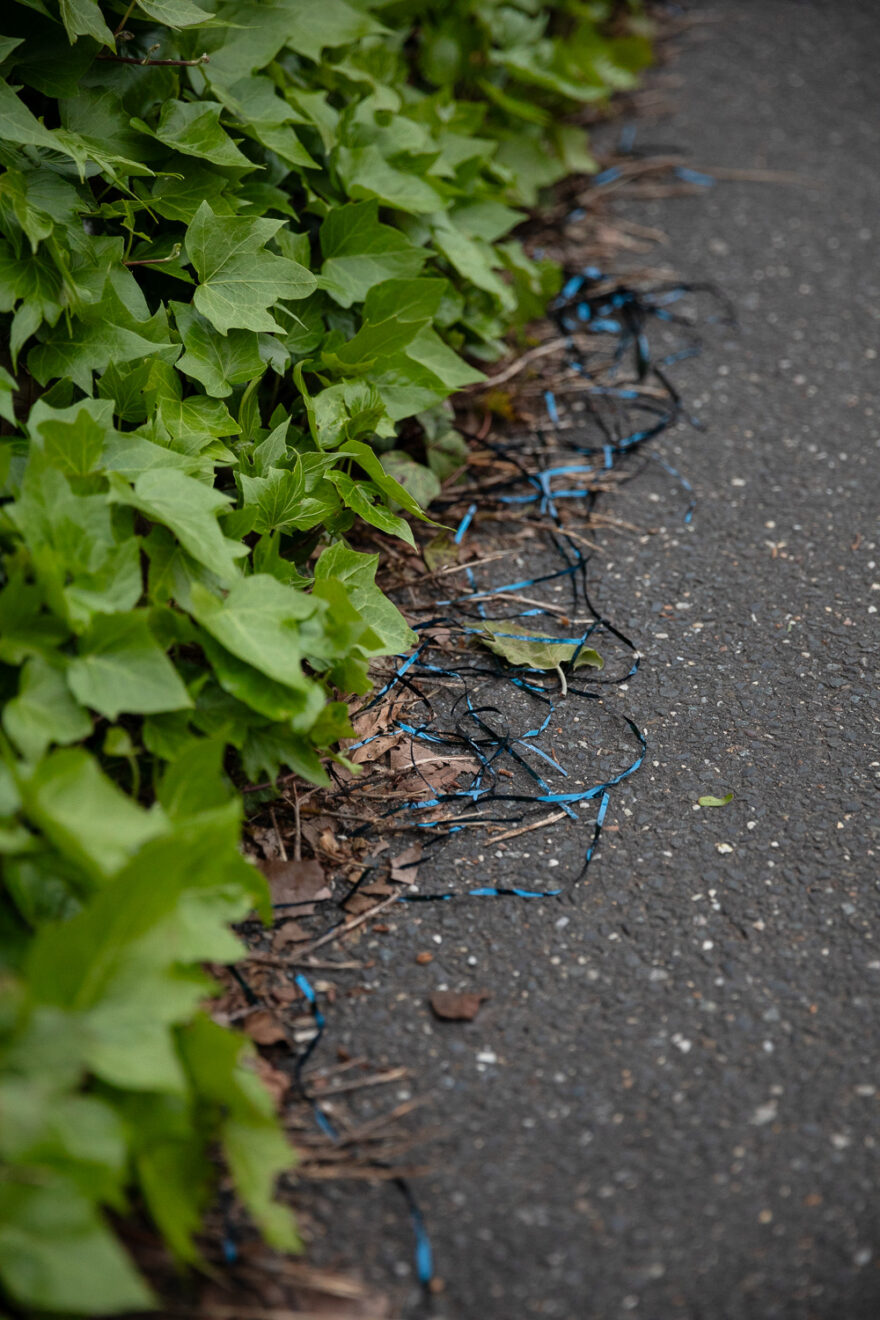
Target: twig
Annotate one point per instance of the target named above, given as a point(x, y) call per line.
point(393, 1075)
point(288, 964)
point(355, 921)
point(543, 350)
point(764, 176)
point(537, 825)
point(297, 843)
point(281, 846)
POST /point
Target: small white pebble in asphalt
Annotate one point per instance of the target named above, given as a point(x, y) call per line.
point(764, 1114)
point(866, 1089)
point(750, 824)
point(724, 847)
point(562, 923)
point(737, 481)
point(438, 939)
point(862, 1257)
point(554, 861)
point(840, 1140)
point(681, 1043)
point(472, 962)
point(487, 1056)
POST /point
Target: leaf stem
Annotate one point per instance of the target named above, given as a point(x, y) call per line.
point(130, 59)
point(563, 682)
point(125, 17)
point(152, 261)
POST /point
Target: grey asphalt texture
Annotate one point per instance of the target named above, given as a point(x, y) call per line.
point(680, 1122)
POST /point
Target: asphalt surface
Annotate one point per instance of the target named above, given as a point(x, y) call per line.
point(675, 1111)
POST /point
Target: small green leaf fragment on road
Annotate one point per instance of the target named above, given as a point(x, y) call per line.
point(709, 801)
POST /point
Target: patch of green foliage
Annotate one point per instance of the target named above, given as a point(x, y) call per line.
point(239, 244)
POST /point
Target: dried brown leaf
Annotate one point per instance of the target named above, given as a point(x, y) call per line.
point(276, 1082)
point(295, 882)
point(289, 932)
point(404, 867)
point(455, 1006)
point(263, 1027)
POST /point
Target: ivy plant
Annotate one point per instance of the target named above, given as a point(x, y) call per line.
point(240, 243)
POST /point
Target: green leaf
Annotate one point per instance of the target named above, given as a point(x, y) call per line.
point(254, 1147)
point(218, 362)
point(357, 497)
point(121, 668)
point(709, 801)
point(175, 13)
point(189, 508)
point(342, 412)
point(84, 814)
point(193, 128)
point(277, 497)
point(7, 389)
point(259, 621)
point(57, 1254)
point(415, 478)
point(83, 18)
point(385, 482)
point(514, 641)
point(194, 782)
point(357, 573)
point(360, 252)
point(239, 280)
point(44, 712)
point(367, 174)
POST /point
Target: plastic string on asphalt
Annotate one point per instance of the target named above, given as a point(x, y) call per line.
point(551, 477)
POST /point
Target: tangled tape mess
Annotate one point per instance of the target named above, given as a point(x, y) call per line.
point(610, 398)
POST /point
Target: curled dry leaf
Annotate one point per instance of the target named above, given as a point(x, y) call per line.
point(455, 1006)
point(263, 1027)
point(295, 882)
point(405, 866)
point(289, 932)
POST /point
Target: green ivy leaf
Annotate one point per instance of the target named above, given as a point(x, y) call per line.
point(189, 508)
point(175, 13)
point(44, 712)
point(83, 18)
point(57, 1254)
point(239, 280)
point(259, 621)
point(121, 668)
point(84, 814)
point(357, 573)
point(218, 362)
point(193, 128)
point(360, 252)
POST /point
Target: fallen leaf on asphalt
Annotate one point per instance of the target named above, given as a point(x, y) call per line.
point(264, 1028)
point(289, 932)
point(511, 639)
point(709, 801)
point(405, 866)
point(455, 1006)
point(295, 882)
